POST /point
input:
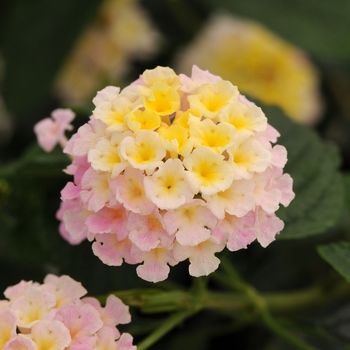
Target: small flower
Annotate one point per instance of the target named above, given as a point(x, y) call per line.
point(245, 116)
point(164, 75)
point(175, 140)
point(130, 191)
point(167, 188)
point(50, 335)
point(201, 256)
point(237, 200)
point(112, 219)
point(191, 223)
point(105, 155)
point(217, 137)
point(143, 119)
point(147, 232)
point(173, 168)
point(210, 99)
point(248, 157)
point(53, 316)
point(266, 226)
point(155, 267)
point(65, 289)
point(114, 313)
point(50, 131)
point(237, 232)
point(95, 192)
point(144, 152)
point(207, 171)
point(162, 99)
point(85, 139)
point(73, 216)
point(113, 113)
point(34, 305)
point(113, 251)
point(82, 322)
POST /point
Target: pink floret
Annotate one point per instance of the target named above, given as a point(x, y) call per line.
point(50, 131)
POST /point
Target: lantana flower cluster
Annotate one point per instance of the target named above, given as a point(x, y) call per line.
point(53, 315)
point(173, 168)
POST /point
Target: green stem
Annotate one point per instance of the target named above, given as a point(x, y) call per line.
point(165, 327)
point(192, 302)
point(301, 301)
point(284, 303)
point(275, 327)
point(243, 304)
point(261, 306)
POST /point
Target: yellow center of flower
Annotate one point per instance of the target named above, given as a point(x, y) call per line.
point(144, 154)
point(145, 119)
point(162, 99)
point(208, 171)
point(218, 137)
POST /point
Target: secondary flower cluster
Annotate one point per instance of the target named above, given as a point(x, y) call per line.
point(173, 168)
point(121, 32)
point(53, 315)
point(259, 62)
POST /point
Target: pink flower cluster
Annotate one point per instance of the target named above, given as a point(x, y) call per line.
point(53, 316)
point(173, 168)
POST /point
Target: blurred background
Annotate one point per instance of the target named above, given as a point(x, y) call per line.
point(56, 53)
point(59, 53)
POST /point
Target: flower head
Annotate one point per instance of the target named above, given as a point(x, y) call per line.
point(53, 315)
point(184, 168)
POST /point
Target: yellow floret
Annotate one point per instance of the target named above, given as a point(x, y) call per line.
point(163, 75)
point(143, 119)
point(210, 99)
point(208, 172)
point(175, 140)
point(162, 99)
point(218, 137)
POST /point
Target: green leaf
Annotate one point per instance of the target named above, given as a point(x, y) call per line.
point(338, 255)
point(36, 163)
point(346, 178)
point(313, 164)
point(314, 25)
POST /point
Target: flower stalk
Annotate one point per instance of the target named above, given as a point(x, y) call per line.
point(244, 304)
point(232, 302)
